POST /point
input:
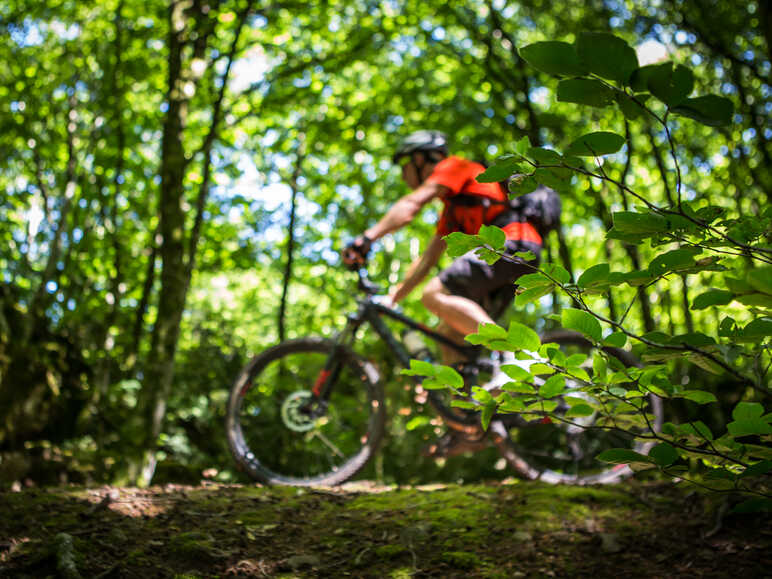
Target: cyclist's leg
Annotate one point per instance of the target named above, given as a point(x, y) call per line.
point(460, 294)
point(459, 313)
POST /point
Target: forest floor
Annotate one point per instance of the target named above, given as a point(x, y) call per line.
point(514, 529)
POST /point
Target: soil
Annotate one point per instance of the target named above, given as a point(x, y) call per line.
point(509, 529)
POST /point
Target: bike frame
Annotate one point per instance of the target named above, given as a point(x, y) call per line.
point(373, 312)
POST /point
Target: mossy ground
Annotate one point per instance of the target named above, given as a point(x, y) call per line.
point(495, 530)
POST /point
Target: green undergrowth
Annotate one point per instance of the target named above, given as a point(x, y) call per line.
point(493, 530)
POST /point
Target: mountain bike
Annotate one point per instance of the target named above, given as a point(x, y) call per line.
point(311, 411)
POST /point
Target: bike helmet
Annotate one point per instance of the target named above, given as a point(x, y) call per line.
point(421, 141)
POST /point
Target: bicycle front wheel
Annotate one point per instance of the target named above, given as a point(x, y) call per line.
point(280, 434)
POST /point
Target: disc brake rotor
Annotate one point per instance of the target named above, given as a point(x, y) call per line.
point(292, 411)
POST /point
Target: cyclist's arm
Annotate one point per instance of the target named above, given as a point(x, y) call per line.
point(419, 268)
point(405, 210)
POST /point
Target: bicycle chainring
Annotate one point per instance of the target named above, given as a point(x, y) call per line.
point(293, 414)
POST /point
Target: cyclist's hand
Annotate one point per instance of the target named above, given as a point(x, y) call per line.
point(355, 253)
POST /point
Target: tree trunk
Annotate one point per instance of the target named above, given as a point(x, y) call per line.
point(290, 243)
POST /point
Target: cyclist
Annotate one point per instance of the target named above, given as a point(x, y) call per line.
point(464, 293)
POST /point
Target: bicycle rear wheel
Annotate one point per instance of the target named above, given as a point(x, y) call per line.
point(279, 435)
point(559, 452)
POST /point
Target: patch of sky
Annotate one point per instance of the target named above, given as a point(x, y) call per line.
point(493, 150)
point(696, 59)
point(250, 69)
point(438, 33)
point(349, 192)
point(728, 88)
point(269, 138)
point(489, 112)
point(304, 81)
point(540, 95)
point(749, 134)
point(51, 287)
point(259, 21)
point(650, 51)
point(164, 107)
point(510, 119)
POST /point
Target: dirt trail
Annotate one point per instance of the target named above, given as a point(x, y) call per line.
point(361, 530)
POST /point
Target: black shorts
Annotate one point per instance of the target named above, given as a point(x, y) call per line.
point(491, 286)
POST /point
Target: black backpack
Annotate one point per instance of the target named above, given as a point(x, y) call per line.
point(541, 208)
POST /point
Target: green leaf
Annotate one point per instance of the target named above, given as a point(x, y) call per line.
point(516, 372)
point(596, 144)
point(519, 388)
point(675, 260)
point(639, 223)
point(419, 368)
point(668, 84)
point(583, 322)
point(575, 360)
point(499, 171)
point(553, 57)
point(544, 156)
point(749, 427)
point(594, 276)
point(487, 413)
point(460, 243)
point(606, 55)
point(757, 330)
point(449, 376)
point(522, 185)
point(585, 91)
point(579, 410)
point(631, 108)
point(639, 80)
point(488, 256)
point(711, 110)
point(531, 294)
point(522, 146)
point(698, 396)
point(557, 272)
point(697, 429)
point(664, 454)
point(466, 404)
point(714, 297)
point(523, 337)
point(760, 278)
point(623, 456)
point(493, 236)
point(553, 386)
point(615, 340)
point(747, 411)
point(486, 333)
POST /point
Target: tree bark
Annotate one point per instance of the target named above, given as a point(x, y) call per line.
point(287, 278)
point(176, 270)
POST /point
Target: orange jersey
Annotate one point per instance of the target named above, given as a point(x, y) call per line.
point(459, 176)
